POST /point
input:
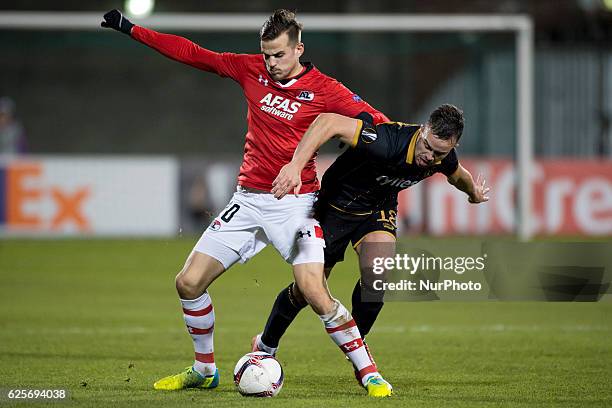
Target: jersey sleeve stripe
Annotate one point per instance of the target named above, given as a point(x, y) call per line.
point(357, 132)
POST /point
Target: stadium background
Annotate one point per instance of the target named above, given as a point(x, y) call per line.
point(122, 143)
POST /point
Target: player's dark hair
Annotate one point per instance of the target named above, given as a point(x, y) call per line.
point(281, 21)
point(447, 122)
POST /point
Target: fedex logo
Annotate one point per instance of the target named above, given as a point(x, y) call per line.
point(28, 203)
point(279, 106)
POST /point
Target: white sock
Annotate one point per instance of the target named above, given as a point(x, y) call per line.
point(199, 317)
point(343, 330)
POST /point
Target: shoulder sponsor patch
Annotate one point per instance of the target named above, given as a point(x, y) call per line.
point(305, 96)
point(356, 98)
point(368, 135)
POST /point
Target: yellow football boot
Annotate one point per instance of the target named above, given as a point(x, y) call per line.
point(378, 387)
point(189, 378)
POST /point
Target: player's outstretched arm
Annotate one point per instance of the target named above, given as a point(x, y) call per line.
point(325, 127)
point(477, 191)
point(173, 46)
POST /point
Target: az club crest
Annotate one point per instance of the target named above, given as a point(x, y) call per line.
point(305, 96)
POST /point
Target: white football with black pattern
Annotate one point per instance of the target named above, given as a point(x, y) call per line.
point(258, 374)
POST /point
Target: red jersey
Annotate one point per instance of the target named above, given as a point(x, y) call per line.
point(278, 113)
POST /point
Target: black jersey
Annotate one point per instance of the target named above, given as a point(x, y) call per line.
point(380, 163)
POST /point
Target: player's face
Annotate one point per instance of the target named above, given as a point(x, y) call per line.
point(282, 58)
point(430, 149)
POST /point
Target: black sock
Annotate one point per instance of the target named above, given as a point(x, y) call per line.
point(284, 311)
point(366, 311)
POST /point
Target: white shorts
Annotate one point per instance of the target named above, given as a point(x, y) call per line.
point(253, 220)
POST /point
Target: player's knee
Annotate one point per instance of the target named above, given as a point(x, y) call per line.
point(199, 272)
point(187, 287)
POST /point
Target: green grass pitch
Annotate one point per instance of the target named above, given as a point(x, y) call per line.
point(101, 319)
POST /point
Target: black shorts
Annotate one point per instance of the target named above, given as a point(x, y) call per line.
point(340, 228)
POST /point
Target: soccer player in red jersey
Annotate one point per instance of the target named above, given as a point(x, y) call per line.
point(283, 96)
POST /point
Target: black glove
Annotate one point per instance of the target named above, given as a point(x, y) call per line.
point(115, 20)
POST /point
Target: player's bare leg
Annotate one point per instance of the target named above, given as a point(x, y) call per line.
point(339, 324)
point(192, 282)
point(310, 280)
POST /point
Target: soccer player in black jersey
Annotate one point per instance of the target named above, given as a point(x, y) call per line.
point(358, 198)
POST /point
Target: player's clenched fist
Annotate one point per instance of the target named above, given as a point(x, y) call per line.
point(115, 20)
point(288, 178)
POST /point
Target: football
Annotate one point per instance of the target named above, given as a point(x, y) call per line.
point(258, 374)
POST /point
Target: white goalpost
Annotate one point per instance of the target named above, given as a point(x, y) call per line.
point(520, 25)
